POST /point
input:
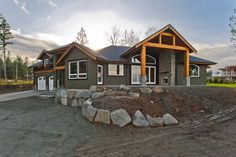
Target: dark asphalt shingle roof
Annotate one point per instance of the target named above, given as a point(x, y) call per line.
point(194, 59)
point(38, 64)
point(112, 52)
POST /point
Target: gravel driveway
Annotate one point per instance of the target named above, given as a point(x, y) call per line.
point(35, 127)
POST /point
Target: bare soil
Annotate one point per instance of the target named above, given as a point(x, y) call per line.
point(14, 88)
point(181, 102)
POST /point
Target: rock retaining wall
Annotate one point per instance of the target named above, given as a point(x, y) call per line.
point(84, 99)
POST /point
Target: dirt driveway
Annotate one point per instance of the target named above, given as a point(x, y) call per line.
point(34, 127)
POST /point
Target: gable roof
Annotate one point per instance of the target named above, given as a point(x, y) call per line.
point(44, 52)
point(170, 27)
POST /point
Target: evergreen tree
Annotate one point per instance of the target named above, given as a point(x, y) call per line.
point(5, 35)
point(82, 37)
point(232, 25)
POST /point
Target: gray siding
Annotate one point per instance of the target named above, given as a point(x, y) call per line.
point(76, 54)
point(201, 80)
point(115, 80)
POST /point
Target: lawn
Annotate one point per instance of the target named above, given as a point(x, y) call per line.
point(15, 82)
point(228, 85)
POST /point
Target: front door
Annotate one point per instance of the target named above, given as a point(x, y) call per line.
point(150, 72)
point(99, 74)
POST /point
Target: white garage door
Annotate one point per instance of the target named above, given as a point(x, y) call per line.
point(50, 80)
point(41, 83)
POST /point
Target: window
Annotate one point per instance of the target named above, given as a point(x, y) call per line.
point(99, 74)
point(78, 69)
point(73, 70)
point(45, 62)
point(116, 69)
point(149, 59)
point(194, 70)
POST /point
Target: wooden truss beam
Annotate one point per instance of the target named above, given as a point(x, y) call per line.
point(165, 46)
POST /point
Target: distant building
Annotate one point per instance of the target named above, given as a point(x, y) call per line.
point(228, 73)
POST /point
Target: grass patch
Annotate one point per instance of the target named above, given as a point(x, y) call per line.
point(14, 82)
point(228, 85)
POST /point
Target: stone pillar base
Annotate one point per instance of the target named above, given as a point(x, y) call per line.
point(187, 81)
point(143, 81)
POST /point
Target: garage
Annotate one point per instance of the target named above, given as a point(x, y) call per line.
point(41, 83)
point(51, 83)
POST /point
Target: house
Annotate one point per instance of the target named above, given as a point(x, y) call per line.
point(227, 73)
point(161, 59)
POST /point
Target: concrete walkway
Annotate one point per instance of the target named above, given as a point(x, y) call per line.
point(19, 95)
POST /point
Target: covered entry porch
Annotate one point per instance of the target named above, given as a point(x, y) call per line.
point(161, 59)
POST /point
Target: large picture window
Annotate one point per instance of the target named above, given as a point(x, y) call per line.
point(194, 70)
point(78, 69)
point(115, 69)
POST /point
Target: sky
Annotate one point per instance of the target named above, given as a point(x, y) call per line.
point(46, 24)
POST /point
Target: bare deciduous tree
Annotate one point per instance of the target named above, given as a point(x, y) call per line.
point(81, 37)
point(150, 31)
point(133, 38)
point(114, 36)
point(125, 38)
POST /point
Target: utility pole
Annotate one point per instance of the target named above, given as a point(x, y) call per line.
point(16, 69)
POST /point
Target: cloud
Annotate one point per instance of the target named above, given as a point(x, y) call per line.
point(27, 45)
point(22, 6)
point(50, 2)
point(221, 53)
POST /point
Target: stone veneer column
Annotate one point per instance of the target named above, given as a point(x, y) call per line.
point(172, 68)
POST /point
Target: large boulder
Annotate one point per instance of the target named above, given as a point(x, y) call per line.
point(124, 87)
point(80, 102)
point(93, 88)
point(87, 102)
point(89, 112)
point(158, 89)
point(168, 119)
point(71, 93)
point(145, 90)
point(102, 116)
point(155, 122)
point(139, 119)
point(83, 93)
point(120, 117)
point(64, 99)
point(97, 95)
point(133, 95)
point(59, 94)
point(74, 103)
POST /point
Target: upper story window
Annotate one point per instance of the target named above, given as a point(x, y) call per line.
point(149, 59)
point(115, 69)
point(194, 70)
point(45, 62)
point(78, 69)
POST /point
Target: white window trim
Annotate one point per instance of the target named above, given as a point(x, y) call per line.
point(146, 57)
point(45, 62)
point(119, 67)
point(72, 78)
point(78, 73)
point(138, 81)
point(101, 66)
point(198, 71)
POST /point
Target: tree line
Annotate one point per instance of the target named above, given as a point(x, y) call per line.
point(116, 36)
